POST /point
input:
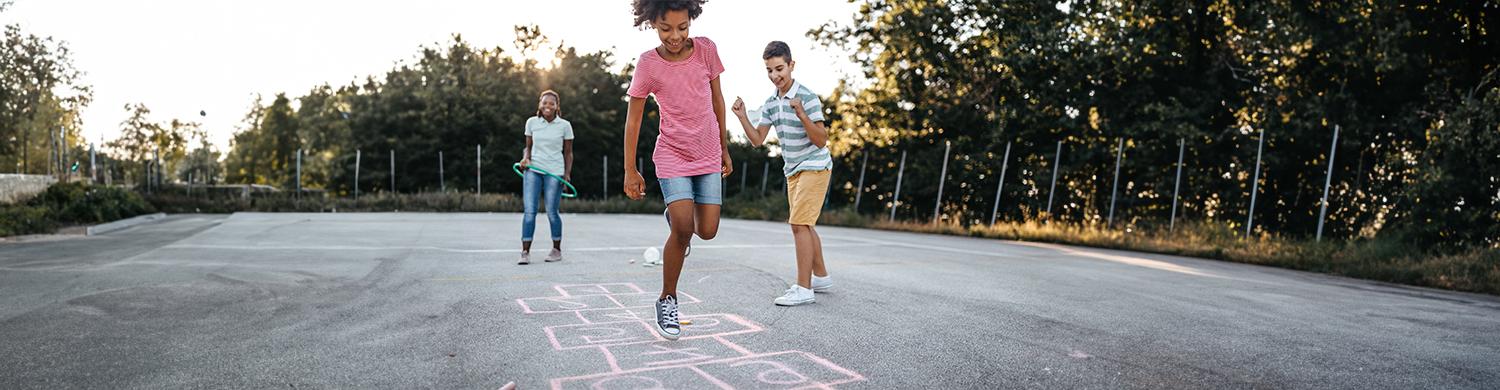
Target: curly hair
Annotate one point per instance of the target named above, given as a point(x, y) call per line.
point(648, 11)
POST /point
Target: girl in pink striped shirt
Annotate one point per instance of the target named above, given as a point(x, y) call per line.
point(692, 152)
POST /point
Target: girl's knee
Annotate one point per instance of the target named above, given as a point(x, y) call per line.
point(708, 233)
point(681, 230)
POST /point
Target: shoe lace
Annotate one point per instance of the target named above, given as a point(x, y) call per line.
point(669, 309)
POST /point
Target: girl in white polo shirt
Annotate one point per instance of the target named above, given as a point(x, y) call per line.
point(549, 147)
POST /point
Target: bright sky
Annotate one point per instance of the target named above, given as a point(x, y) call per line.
point(182, 56)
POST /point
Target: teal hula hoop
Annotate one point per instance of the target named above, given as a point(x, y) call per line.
point(517, 168)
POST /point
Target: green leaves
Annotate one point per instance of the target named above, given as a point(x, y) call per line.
point(982, 74)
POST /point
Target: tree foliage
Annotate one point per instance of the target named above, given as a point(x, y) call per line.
point(41, 95)
point(1409, 84)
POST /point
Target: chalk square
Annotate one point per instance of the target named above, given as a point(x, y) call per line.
point(574, 290)
point(671, 353)
point(567, 304)
point(575, 336)
point(648, 299)
point(617, 315)
point(780, 370)
point(684, 377)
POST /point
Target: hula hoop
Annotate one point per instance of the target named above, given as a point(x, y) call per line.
point(517, 169)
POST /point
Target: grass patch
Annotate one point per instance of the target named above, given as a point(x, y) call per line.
point(175, 202)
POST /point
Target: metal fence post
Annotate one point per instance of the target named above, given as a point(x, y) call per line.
point(859, 190)
point(937, 208)
point(1115, 189)
point(1255, 184)
point(604, 188)
point(442, 184)
point(1327, 181)
point(1056, 166)
point(744, 174)
point(357, 156)
point(1004, 163)
point(765, 172)
point(1177, 186)
point(478, 169)
point(299, 173)
point(896, 199)
point(393, 170)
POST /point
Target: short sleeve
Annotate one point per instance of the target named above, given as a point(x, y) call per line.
point(765, 112)
point(814, 108)
point(567, 130)
point(530, 125)
point(641, 82)
point(710, 57)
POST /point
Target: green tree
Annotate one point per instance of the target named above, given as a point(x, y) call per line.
point(1214, 74)
point(40, 95)
point(143, 140)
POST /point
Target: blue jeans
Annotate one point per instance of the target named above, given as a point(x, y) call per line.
point(533, 185)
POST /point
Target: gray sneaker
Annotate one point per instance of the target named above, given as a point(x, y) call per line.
point(555, 255)
point(666, 318)
point(525, 258)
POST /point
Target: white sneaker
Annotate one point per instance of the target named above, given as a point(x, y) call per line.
point(821, 283)
point(797, 295)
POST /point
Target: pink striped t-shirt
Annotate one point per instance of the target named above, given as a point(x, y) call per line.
point(689, 141)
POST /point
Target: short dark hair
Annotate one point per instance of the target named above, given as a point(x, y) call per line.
point(777, 49)
point(648, 11)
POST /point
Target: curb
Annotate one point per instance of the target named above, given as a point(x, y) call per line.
point(124, 223)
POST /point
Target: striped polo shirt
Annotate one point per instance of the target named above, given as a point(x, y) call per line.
point(796, 148)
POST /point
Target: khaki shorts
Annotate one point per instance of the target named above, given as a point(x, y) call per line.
point(805, 192)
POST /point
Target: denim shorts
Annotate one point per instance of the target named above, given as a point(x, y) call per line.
point(707, 188)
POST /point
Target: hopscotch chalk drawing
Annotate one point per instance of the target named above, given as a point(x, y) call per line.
point(611, 321)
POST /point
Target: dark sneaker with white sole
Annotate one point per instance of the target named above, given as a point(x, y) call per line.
point(666, 318)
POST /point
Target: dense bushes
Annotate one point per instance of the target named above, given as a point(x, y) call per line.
point(66, 204)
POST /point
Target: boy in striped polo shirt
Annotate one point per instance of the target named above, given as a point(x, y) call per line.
point(797, 115)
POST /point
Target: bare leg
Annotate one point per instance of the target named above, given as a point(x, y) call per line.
point(557, 244)
point(526, 246)
point(708, 220)
point(802, 235)
point(818, 269)
point(681, 214)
